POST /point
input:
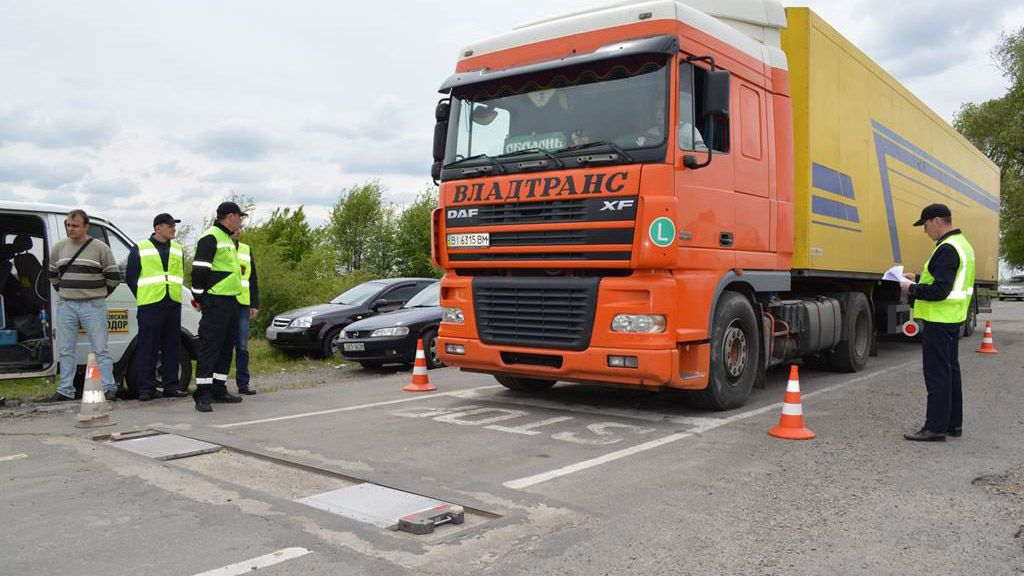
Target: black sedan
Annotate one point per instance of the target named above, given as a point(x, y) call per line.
point(392, 337)
point(312, 330)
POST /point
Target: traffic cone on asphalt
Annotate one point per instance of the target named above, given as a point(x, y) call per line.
point(95, 411)
point(420, 381)
point(791, 423)
point(987, 346)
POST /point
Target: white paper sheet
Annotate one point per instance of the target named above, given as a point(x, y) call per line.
point(895, 274)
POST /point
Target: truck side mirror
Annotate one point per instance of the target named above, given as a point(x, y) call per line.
point(440, 136)
point(716, 93)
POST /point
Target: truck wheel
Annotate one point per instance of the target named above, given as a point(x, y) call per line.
point(524, 384)
point(972, 320)
point(431, 351)
point(735, 355)
point(851, 354)
point(131, 379)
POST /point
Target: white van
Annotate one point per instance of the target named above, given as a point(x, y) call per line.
point(28, 341)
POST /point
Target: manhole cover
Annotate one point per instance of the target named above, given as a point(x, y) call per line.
point(165, 446)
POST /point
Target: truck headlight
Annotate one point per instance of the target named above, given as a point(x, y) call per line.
point(386, 332)
point(640, 323)
point(452, 315)
point(302, 322)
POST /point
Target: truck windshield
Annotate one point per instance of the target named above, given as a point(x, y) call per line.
point(620, 102)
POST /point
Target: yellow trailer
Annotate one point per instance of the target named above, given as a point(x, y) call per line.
point(869, 155)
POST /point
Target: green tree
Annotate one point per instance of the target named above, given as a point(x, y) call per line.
point(996, 127)
point(414, 233)
point(286, 229)
point(354, 223)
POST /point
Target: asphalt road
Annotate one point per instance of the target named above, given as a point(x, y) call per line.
point(577, 480)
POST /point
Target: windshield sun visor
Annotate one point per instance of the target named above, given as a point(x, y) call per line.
point(651, 45)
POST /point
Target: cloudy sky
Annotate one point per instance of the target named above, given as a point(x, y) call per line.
point(131, 108)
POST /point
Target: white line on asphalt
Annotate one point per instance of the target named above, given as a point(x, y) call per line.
point(528, 481)
point(350, 408)
point(13, 457)
point(257, 563)
point(595, 410)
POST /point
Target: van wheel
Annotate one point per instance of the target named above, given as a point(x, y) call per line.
point(524, 384)
point(851, 354)
point(431, 351)
point(735, 355)
point(131, 379)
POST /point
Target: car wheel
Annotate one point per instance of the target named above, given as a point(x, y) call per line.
point(431, 350)
point(327, 344)
point(131, 379)
point(524, 384)
point(735, 355)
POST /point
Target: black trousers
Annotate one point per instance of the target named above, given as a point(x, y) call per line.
point(217, 332)
point(159, 335)
point(940, 347)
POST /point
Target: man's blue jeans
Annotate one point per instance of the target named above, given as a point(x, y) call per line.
point(91, 316)
point(242, 349)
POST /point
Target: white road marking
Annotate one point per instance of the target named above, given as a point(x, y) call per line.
point(13, 457)
point(528, 481)
point(349, 408)
point(257, 563)
point(584, 409)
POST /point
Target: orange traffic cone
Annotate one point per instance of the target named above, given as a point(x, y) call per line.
point(95, 411)
point(420, 381)
point(987, 347)
point(791, 423)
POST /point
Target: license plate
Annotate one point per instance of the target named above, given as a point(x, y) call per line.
point(271, 334)
point(481, 240)
point(354, 347)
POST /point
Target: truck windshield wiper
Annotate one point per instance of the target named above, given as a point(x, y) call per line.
point(558, 162)
point(497, 165)
point(596, 144)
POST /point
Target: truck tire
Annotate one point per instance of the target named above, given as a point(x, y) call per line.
point(851, 354)
point(431, 351)
point(131, 380)
point(524, 384)
point(735, 355)
point(971, 324)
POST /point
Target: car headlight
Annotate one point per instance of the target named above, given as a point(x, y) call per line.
point(640, 323)
point(389, 332)
point(452, 315)
point(302, 322)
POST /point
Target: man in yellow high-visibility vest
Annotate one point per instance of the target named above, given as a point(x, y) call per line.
point(248, 308)
point(155, 274)
point(216, 284)
point(942, 298)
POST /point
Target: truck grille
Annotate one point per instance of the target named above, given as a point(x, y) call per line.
point(563, 237)
point(546, 212)
point(555, 313)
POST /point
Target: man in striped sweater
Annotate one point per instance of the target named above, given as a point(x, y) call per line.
point(84, 272)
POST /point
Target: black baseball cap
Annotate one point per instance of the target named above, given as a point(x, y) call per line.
point(164, 218)
point(226, 208)
point(933, 211)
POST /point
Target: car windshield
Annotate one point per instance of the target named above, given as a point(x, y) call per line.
point(1016, 280)
point(429, 296)
point(619, 101)
point(358, 295)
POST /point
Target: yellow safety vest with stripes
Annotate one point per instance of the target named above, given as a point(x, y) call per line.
point(245, 262)
point(154, 279)
point(953, 309)
point(224, 260)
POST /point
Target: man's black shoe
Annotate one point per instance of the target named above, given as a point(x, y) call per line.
point(227, 399)
point(247, 391)
point(175, 394)
point(924, 435)
point(110, 395)
point(57, 397)
point(955, 431)
point(145, 397)
point(203, 405)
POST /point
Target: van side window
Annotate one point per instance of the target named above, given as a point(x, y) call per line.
point(697, 131)
point(119, 248)
point(97, 232)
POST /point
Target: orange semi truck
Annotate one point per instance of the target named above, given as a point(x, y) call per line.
point(682, 194)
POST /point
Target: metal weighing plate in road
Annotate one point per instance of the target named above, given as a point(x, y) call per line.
point(166, 446)
point(371, 503)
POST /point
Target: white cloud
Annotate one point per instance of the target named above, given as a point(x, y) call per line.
point(235, 141)
point(82, 128)
point(41, 175)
